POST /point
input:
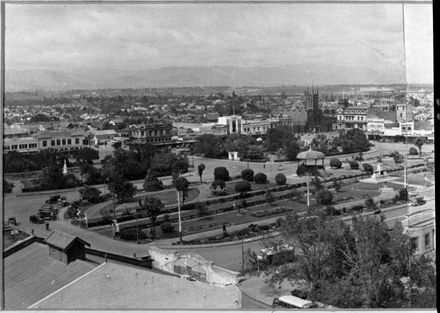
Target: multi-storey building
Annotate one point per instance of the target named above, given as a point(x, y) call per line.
point(255, 127)
point(352, 117)
point(57, 140)
point(155, 133)
point(403, 112)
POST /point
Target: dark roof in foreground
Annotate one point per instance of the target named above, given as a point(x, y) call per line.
point(63, 240)
point(116, 286)
point(30, 274)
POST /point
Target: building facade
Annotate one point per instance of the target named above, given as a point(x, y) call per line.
point(156, 133)
point(56, 140)
point(352, 117)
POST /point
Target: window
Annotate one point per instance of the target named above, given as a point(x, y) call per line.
point(7, 147)
point(64, 142)
point(44, 143)
point(58, 142)
point(76, 141)
point(85, 142)
point(69, 141)
point(32, 145)
point(14, 147)
point(23, 146)
point(427, 241)
point(52, 143)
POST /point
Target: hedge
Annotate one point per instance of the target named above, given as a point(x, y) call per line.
point(242, 186)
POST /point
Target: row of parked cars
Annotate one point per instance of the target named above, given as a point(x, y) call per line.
point(49, 210)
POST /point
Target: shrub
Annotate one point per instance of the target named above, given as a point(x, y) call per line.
point(324, 197)
point(260, 178)
point(201, 209)
point(269, 198)
point(280, 179)
point(357, 208)
point(167, 227)
point(413, 151)
point(247, 174)
point(330, 210)
point(370, 204)
point(398, 158)
point(368, 167)
point(151, 183)
point(403, 194)
point(218, 187)
point(242, 186)
point(221, 173)
point(335, 163)
point(353, 165)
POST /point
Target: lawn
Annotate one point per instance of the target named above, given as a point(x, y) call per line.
point(31, 183)
point(167, 197)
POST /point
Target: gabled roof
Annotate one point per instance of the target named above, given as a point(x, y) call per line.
point(63, 241)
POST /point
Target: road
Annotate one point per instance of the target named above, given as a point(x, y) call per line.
point(22, 206)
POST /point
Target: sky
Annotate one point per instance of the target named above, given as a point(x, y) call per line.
point(143, 36)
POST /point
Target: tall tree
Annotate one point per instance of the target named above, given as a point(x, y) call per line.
point(182, 186)
point(362, 265)
point(151, 208)
point(200, 169)
point(419, 143)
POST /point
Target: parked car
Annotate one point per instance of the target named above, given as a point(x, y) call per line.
point(53, 199)
point(36, 219)
point(418, 201)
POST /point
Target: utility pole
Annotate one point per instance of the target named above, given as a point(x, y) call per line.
point(242, 256)
point(180, 220)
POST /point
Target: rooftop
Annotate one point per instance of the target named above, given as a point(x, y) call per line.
point(112, 286)
point(30, 274)
point(63, 240)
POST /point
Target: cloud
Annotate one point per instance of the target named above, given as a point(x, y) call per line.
point(157, 35)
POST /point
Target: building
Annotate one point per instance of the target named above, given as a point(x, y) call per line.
point(404, 112)
point(233, 124)
point(50, 139)
point(311, 99)
point(119, 286)
point(62, 140)
point(420, 226)
point(352, 117)
point(103, 136)
point(255, 127)
point(66, 248)
point(31, 273)
point(154, 133)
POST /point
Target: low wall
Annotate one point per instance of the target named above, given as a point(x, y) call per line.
point(192, 264)
point(22, 244)
point(146, 261)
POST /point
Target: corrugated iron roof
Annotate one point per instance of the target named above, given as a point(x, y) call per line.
point(62, 240)
point(30, 274)
point(117, 286)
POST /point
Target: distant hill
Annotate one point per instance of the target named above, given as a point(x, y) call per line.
point(234, 76)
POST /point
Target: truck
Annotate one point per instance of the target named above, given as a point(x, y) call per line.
point(48, 212)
